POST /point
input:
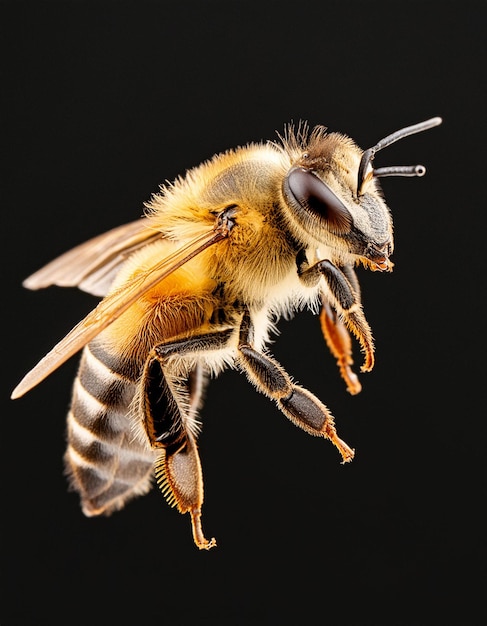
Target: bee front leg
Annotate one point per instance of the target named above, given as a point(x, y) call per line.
point(344, 294)
point(339, 342)
point(337, 336)
point(168, 420)
point(298, 404)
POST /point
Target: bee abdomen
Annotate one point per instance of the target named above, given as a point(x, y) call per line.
point(107, 462)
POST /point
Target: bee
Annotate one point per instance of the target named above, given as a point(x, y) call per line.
point(197, 285)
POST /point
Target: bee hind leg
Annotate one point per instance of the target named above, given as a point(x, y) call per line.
point(179, 476)
point(168, 411)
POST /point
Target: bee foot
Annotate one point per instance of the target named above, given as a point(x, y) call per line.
point(345, 450)
point(353, 384)
point(207, 545)
point(199, 538)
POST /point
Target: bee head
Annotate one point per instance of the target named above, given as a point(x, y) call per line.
point(332, 195)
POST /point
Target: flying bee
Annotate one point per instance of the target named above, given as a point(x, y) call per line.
point(195, 286)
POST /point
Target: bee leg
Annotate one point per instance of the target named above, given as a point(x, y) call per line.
point(344, 294)
point(339, 342)
point(179, 476)
point(298, 404)
point(170, 425)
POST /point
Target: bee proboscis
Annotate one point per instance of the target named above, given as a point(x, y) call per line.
point(196, 285)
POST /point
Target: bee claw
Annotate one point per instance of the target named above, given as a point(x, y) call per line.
point(207, 545)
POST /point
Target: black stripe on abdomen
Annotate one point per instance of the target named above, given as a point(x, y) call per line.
point(107, 461)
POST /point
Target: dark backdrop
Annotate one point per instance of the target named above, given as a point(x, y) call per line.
point(102, 102)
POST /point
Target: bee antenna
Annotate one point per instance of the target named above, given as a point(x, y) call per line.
point(413, 170)
point(400, 170)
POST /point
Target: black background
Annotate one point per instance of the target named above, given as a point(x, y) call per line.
point(102, 103)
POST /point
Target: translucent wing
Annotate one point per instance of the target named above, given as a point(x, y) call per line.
point(92, 265)
point(113, 305)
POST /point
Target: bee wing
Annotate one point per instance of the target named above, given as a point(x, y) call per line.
point(112, 306)
point(92, 265)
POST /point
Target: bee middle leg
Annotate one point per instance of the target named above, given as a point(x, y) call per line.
point(298, 404)
point(168, 408)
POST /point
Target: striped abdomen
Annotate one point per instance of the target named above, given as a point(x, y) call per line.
point(107, 462)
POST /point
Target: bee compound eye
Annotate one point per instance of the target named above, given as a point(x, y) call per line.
point(314, 196)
